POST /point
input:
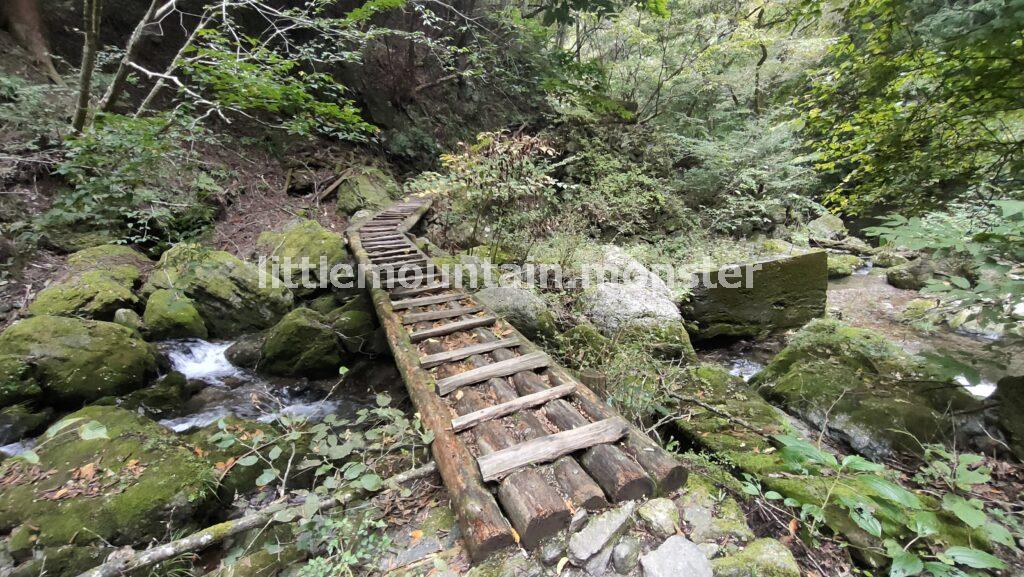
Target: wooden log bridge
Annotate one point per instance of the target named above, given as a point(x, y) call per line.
point(519, 442)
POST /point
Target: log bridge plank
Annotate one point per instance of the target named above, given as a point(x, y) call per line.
point(518, 441)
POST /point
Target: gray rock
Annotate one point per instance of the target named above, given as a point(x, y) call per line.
point(524, 309)
point(711, 550)
point(599, 532)
point(597, 566)
point(660, 516)
point(625, 555)
point(827, 227)
point(578, 519)
point(128, 318)
point(676, 557)
point(552, 550)
point(613, 307)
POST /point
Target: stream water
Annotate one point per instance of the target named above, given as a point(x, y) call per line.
point(228, 390)
point(866, 300)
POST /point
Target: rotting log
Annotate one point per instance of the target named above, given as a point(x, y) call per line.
point(484, 528)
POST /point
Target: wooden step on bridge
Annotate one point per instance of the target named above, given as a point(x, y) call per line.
point(520, 443)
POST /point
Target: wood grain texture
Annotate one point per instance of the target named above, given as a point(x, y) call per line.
point(504, 368)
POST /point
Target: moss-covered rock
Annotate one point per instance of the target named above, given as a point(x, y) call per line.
point(303, 343)
point(93, 294)
point(246, 351)
point(762, 558)
point(19, 421)
point(355, 329)
point(526, 311)
point(864, 390)
point(301, 247)
point(323, 304)
point(128, 319)
point(75, 360)
point(124, 489)
point(98, 282)
point(171, 315)
point(913, 275)
point(238, 479)
point(360, 303)
point(756, 298)
point(160, 400)
point(17, 382)
point(888, 258)
point(841, 265)
point(826, 227)
point(232, 296)
point(668, 341)
point(366, 187)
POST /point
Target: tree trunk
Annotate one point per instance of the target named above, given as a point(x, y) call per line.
point(26, 26)
point(91, 16)
point(131, 49)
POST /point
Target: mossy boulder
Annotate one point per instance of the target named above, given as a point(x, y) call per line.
point(762, 558)
point(160, 400)
point(913, 275)
point(98, 282)
point(246, 351)
point(130, 487)
point(584, 346)
point(303, 343)
point(366, 187)
point(232, 296)
point(826, 227)
point(755, 298)
point(17, 382)
point(842, 265)
point(73, 360)
point(865, 391)
point(301, 247)
point(172, 315)
point(92, 294)
point(888, 258)
point(18, 421)
point(526, 311)
point(323, 304)
point(128, 319)
point(668, 341)
point(356, 330)
point(361, 303)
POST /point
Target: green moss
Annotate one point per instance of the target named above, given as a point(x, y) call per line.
point(304, 239)
point(842, 265)
point(360, 303)
point(108, 256)
point(366, 187)
point(240, 480)
point(848, 374)
point(18, 421)
point(16, 380)
point(323, 304)
point(171, 315)
point(303, 343)
point(439, 519)
point(668, 340)
point(161, 399)
point(355, 328)
point(584, 346)
point(67, 561)
point(149, 478)
point(918, 309)
point(78, 360)
point(232, 296)
point(782, 292)
point(762, 558)
point(93, 294)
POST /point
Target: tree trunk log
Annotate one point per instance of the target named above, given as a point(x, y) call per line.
point(131, 49)
point(91, 15)
point(26, 26)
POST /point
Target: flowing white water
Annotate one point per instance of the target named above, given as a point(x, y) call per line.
point(744, 368)
point(202, 360)
point(983, 389)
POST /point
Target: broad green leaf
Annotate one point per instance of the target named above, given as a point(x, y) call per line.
point(964, 510)
point(247, 461)
point(960, 282)
point(268, 476)
point(890, 491)
point(274, 453)
point(974, 558)
point(858, 463)
point(310, 506)
point(906, 564)
point(370, 482)
point(93, 430)
point(1000, 534)
point(60, 426)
